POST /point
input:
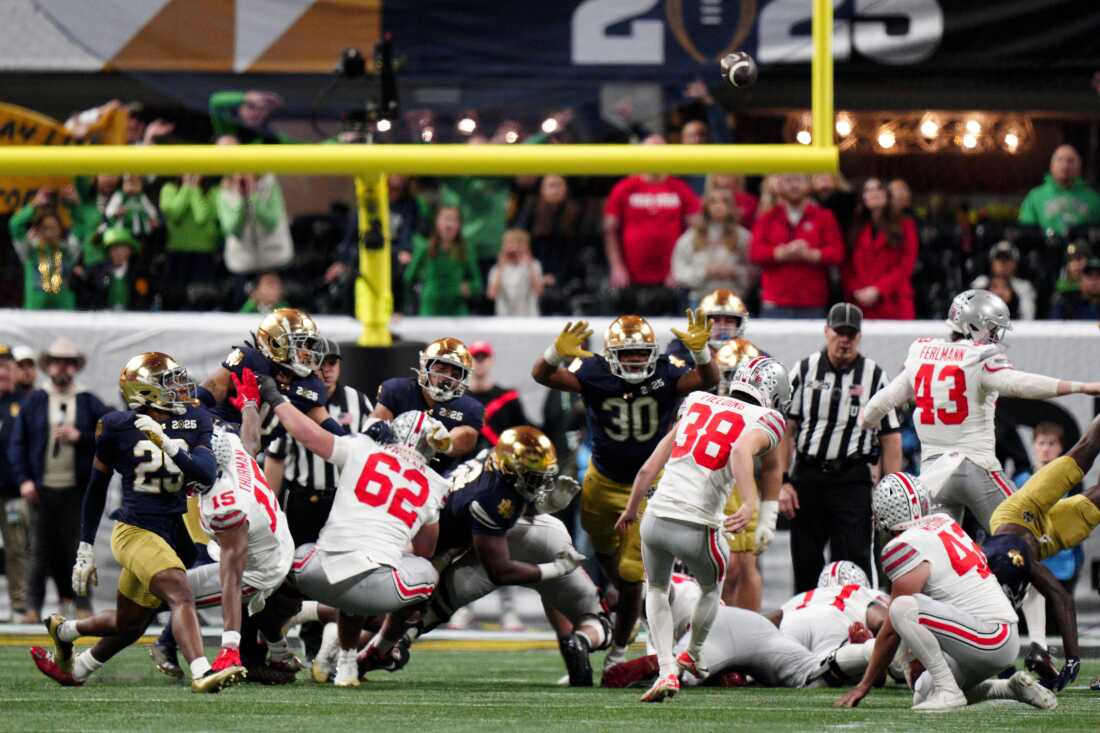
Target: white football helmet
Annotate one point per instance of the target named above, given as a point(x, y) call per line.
point(765, 380)
point(407, 434)
point(980, 316)
point(898, 501)
point(842, 572)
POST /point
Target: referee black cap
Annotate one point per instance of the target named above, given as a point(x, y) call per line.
point(845, 315)
point(332, 348)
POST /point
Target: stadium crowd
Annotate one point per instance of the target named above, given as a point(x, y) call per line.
point(549, 245)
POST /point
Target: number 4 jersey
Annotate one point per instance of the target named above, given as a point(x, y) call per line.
point(959, 574)
point(384, 497)
point(241, 496)
point(698, 477)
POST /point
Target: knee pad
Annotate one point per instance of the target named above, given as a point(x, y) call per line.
point(904, 610)
point(603, 622)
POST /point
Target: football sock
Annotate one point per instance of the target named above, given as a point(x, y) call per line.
point(67, 631)
point(307, 614)
point(1034, 609)
point(703, 618)
point(199, 667)
point(85, 664)
point(659, 614)
point(904, 613)
point(990, 690)
point(278, 650)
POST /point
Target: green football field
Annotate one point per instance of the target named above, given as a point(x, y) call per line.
point(478, 691)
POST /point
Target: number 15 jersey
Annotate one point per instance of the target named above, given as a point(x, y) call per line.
point(698, 477)
point(382, 500)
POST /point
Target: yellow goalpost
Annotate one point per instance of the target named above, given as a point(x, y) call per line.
point(371, 162)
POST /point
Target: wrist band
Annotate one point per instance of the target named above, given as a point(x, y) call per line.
point(702, 357)
point(552, 357)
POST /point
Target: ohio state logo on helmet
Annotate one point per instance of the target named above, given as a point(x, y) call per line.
point(898, 501)
point(842, 572)
point(765, 380)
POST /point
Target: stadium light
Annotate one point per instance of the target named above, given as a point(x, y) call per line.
point(383, 125)
point(467, 125)
point(550, 125)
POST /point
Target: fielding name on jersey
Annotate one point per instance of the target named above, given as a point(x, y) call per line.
point(942, 352)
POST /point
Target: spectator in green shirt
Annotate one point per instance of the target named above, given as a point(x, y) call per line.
point(191, 226)
point(445, 268)
point(266, 294)
point(48, 253)
point(1063, 200)
point(245, 115)
point(118, 284)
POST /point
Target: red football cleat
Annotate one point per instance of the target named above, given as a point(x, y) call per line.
point(858, 633)
point(48, 666)
point(733, 679)
point(688, 663)
point(625, 674)
point(227, 657)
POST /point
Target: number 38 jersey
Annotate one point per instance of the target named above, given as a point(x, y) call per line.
point(382, 500)
point(959, 574)
point(239, 496)
point(626, 420)
point(954, 408)
point(698, 477)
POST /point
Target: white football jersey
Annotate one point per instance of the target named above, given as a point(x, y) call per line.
point(954, 411)
point(698, 477)
point(959, 573)
point(383, 498)
point(850, 600)
point(241, 495)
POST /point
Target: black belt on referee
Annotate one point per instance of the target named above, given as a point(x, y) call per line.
point(839, 465)
point(296, 488)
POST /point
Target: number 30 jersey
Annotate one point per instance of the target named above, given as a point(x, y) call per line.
point(626, 420)
point(954, 405)
point(239, 496)
point(959, 574)
point(382, 500)
point(698, 477)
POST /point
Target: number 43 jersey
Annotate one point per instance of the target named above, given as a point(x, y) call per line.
point(384, 497)
point(959, 573)
point(626, 420)
point(698, 477)
point(239, 496)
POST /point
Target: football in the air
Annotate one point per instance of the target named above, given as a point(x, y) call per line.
point(739, 69)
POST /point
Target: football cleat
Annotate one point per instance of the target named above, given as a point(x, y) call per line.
point(629, 674)
point(1095, 685)
point(1039, 662)
point(694, 665)
point(63, 650)
point(48, 666)
point(370, 658)
point(1027, 690)
point(614, 656)
point(227, 657)
point(575, 650)
point(324, 662)
point(269, 674)
point(215, 681)
point(665, 687)
point(858, 633)
point(941, 701)
point(289, 664)
point(347, 672)
point(165, 660)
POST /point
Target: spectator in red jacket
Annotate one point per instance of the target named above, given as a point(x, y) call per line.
point(643, 217)
point(883, 251)
point(795, 243)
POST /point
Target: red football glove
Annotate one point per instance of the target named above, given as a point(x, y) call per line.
point(227, 657)
point(247, 390)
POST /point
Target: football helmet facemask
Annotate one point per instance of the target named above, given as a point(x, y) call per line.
point(527, 454)
point(442, 384)
point(630, 347)
point(156, 380)
point(728, 313)
point(290, 338)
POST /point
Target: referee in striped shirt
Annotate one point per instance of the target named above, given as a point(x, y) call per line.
point(310, 481)
point(828, 494)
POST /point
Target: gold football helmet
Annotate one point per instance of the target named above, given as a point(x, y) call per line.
point(728, 313)
point(632, 337)
point(290, 338)
point(156, 380)
point(442, 384)
point(526, 453)
point(732, 355)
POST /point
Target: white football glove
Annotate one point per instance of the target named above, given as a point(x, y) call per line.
point(438, 437)
point(567, 561)
point(155, 432)
point(765, 525)
point(559, 497)
point(84, 569)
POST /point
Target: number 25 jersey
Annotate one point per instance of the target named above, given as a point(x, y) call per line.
point(626, 420)
point(698, 477)
point(382, 500)
point(954, 408)
point(959, 573)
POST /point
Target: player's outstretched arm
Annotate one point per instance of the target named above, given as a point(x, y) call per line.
point(1062, 603)
point(492, 552)
point(548, 370)
point(1014, 383)
point(697, 339)
point(215, 388)
point(895, 394)
point(300, 427)
point(645, 477)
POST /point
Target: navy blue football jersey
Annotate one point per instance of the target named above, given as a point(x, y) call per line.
point(305, 393)
point(489, 505)
point(402, 394)
point(152, 485)
point(626, 420)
